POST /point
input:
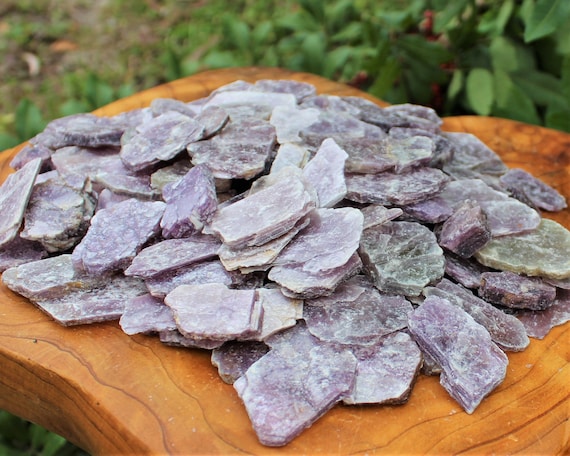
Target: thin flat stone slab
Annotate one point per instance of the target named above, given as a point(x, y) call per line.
point(443, 149)
point(175, 338)
point(465, 231)
point(472, 365)
point(401, 257)
point(530, 190)
point(191, 203)
point(160, 106)
point(376, 214)
point(169, 174)
point(325, 172)
point(385, 372)
point(411, 152)
point(233, 358)
point(30, 152)
point(213, 119)
point(432, 210)
point(214, 311)
point(145, 314)
point(264, 215)
point(15, 193)
point(466, 271)
point(290, 120)
point(161, 139)
point(240, 151)
point(264, 102)
point(300, 90)
point(516, 291)
point(395, 189)
point(297, 282)
point(505, 330)
point(289, 388)
point(541, 252)
point(116, 235)
point(104, 302)
point(20, 251)
point(289, 154)
point(171, 254)
point(57, 215)
point(203, 272)
point(356, 314)
point(538, 323)
point(279, 312)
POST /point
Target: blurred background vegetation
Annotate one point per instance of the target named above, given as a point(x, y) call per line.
point(508, 58)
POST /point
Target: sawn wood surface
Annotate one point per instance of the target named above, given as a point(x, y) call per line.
point(114, 394)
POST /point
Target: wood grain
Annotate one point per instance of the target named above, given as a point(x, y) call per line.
point(110, 393)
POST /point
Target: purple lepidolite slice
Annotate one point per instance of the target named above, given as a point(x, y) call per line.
point(213, 119)
point(289, 154)
point(325, 171)
point(161, 139)
point(538, 323)
point(505, 330)
point(516, 291)
point(376, 214)
point(15, 193)
point(386, 371)
point(175, 338)
point(262, 102)
point(116, 235)
point(527, 188)
point(401, 257)
point(266, 214)
point(146, 314)
point(356, 314)
point(300, 90)
point(466, 231)
point(57, 215)
point(171, 254)
point(542, 252)
point(214, 311)
point(294, 384)
point(395, 189)
point(191, 203)
point(20, 251)
point(240, 150)
point(289, 120)
point(234, 357)
point(472, 365)
point(279, 312)
point(466, 271)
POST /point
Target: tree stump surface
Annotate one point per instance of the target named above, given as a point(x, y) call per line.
point(111, 393)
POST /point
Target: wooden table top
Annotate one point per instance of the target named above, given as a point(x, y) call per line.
point(111, 393)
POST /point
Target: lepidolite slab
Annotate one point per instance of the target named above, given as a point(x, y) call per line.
point(20, 251)
point(146, 314)
point(293, 385)
point(234, 357)
point(385, 372)
point(264, 215)
point(538, 323)
point(516, 291)
point(505, 330)
point(214, 311)
point(116, 235)
point(401, 257)
point(15, 193)
point(472, 364)
point(279, 312)
point(541, 252)
point(191, 203)
point(527, 188)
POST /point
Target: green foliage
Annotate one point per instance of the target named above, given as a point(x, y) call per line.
point(21, 438)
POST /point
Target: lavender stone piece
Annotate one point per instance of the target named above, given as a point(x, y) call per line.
point(466, 271)
point(104, 302)
point(525, 187)
point(57, 215)
point(191, 203)
point(15, 193)
point(376, 214)
point(465, 231)
point(331, 103)
point(107, 198)
point(290, 120)
point(325, 171)
point(29, 153)
point(538, 323)
point(411, 152)
point(401, 257)
point(264, 215)
point(162, 139)
point(355, 314)
point(240, 151)
point(395, 189)
point(543, 252)
point(171, 254)
point(213, 311)
point(289, 154)
point(204, 272)
point(265, 102)
point(385, 372)
point(367, 156)
point(168, 174)
point(213, 119)
point(289, 388)
point(20, 251)
point(505, 330)
point(472, 364)
point(443, 150)
point(279, 311)
point(116, 235)
point(516, 291)
point(432, 210)
point(145, 314)
point(300, 90)
point(175, 338)
point(233, 358)
point(160, 106)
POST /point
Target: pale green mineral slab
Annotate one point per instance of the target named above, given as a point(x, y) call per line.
point(544, 252)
